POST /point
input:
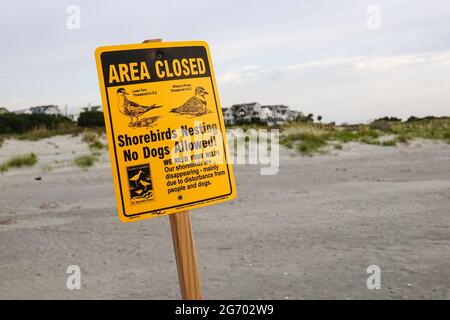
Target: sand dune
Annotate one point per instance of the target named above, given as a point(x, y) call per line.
point(308, 232)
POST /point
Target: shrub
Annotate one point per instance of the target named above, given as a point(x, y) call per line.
point(412, 119)
point(345, 135)
point(403, 138)
point(11, 123)
point(19, 161)
point(390, 119)
point(42, 132)
point(90, 137)
point(96, 145)
point(91, 119)
point(85, 162)
point(389, 143)
point(369, 140)
point(311, 143)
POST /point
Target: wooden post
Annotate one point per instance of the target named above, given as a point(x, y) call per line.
point(183, 244)
point(184, 247)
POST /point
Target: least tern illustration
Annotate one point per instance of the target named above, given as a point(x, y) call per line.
point(131, 108)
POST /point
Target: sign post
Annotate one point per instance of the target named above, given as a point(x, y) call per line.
point(184, 249)
point(166, 139)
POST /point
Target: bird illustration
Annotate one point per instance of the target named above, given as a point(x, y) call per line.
point(145, 184)
point(136, 177)
point(131, 108)
point(195, 105)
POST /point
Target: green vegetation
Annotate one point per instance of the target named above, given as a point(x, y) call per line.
point(303, 135)
point(35, 126)
point(14, 124)
point(39, 126)
point(389, 143)
point(307, 141)
point(313, 138)
point(19, 161)
point(310, 138)
point(85, 161)
point(311, 143)
point(91, 119)
point(96, 145)
point(427, 128)
point(91, 137)
point(42, 132)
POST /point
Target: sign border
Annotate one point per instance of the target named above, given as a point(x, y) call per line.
point(99, 52)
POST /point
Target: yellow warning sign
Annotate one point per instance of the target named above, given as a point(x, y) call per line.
point(166, 134)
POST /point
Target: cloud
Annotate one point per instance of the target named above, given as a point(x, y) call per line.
point(316, 55)
point(250, 74)
point(389, 63)
point(347, 89)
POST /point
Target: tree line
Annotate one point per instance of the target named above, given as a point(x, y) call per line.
point(11, 123)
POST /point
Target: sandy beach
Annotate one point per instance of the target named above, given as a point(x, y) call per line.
point(308, 232)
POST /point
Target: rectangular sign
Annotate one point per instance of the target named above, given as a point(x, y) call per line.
point(166, 135)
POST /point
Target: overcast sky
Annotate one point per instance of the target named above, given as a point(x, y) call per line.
point(315, 56)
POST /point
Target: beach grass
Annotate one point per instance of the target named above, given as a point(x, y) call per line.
point(85, 161)
point(42, 132)
point(311, 138)
point(92, 138)
point(96, 145)
point(19, 161)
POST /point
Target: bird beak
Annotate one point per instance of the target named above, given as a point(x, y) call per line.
point(126, 93)
point(205, 92)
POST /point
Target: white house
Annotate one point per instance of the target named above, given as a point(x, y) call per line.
point(268, 115)
point(255, 113)
point(22, 111)
point(228, 116)
point(50, 109)
point(248, 113)
point(280, 113)
point(74, 113)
